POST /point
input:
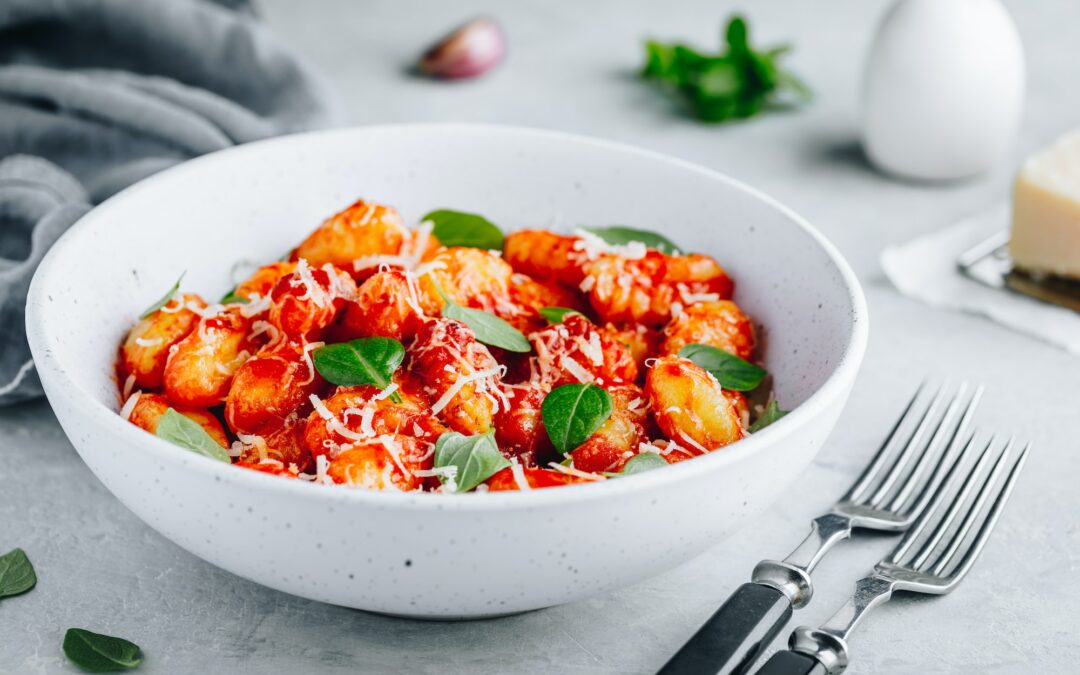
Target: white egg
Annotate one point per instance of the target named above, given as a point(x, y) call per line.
point(943, 89)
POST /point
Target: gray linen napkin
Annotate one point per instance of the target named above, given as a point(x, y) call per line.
point(97, 94)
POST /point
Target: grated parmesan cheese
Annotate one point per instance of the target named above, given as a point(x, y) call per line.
point(129, 405)
point(307, 361)
point(519, 474)
point(450, 393)
point(129, 384)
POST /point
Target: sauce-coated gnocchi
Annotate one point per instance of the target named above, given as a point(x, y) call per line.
point(374, 357)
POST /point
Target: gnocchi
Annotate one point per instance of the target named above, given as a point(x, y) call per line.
point(377, 358)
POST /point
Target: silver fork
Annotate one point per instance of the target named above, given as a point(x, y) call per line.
point(890, 495)
point(933, 557)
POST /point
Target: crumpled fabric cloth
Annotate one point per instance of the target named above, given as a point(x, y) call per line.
point(98, 94)
point(926, 269)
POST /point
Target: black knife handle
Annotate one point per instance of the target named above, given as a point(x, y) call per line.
point(792, 663)
point(732, 638)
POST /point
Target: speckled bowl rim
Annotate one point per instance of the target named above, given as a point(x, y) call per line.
point(829, 393)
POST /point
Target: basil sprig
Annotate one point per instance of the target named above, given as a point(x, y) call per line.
point(97, 653)
point(474, 458)
point(370, 361)
point(231, 298)
point(181, 430)
point(16, 573)
point(556, 314)
point(646, 461)
point(739, 83)
point(573, 412)
point(164, 299)
point(729, 370)
point(488, 328)
point(617, 235)
point(455, 228)
point(771, 414)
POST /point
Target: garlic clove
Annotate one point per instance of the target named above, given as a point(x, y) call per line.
point(470, 51)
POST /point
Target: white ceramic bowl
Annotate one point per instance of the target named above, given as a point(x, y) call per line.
point(428, 555)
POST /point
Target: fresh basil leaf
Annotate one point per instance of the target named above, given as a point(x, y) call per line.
point(370, 361)
point(646, 461)
point(729, 370)
point(489, 329)
point(557, 314)
point(771, 414)
point(573, 412)
point(618, 235)
point(231, 298)
point(455, 228)
point(474, 458)
point(97, 653)
point(164, 299)
point(181, 430)
point(741, 82)
point(16, 573)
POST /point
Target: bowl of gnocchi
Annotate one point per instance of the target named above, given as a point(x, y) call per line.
point(445, 371)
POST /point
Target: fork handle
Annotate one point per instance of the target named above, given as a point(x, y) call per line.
point(788, 662)
point(732, 638)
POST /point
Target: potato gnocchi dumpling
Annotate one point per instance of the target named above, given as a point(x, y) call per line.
point(690, 406)
point(719, 324)
point(146, 350)
point(431, 358)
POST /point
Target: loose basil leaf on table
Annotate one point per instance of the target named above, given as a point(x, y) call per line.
point(456, 228)
point(573, 412)
point(475, 458)
point(556, 314)
point(646, 461)
point(16, 573)
point(371, 361)
point(618, 235)
point(97, 653)
point(164, 299)
point(489, 329)
point(729, 370)
point(181, 430)
point(771, 414)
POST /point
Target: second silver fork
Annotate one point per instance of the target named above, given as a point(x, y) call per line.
point(889, 496)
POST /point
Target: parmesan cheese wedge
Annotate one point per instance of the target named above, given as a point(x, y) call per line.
point(1046, 211)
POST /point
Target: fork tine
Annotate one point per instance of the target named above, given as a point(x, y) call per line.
point(921, 492)
point(976, 481)
point(871, 473)
point(977, 544)
point(929, 515)
point(915, 445)
point(926, 452)
point(975, 513)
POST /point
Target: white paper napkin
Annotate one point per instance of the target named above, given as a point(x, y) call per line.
point(925, 269)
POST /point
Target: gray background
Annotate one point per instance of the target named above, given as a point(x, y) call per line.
point(571, 67)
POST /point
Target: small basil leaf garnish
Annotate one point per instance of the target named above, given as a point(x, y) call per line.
point(474, 458)
point(97, 653)
point(455, 228)
point(556, 314)
point(646, 461)
point(573, 412)
point(16, 573)
point(371, 361)
point(771, 414)
point(488, 328)
point(231, 298)
point(618, 235)
point(181, 430)
point(729, 370)
point(164, 299)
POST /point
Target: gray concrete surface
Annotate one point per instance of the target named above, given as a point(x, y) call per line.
point(571, 68)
